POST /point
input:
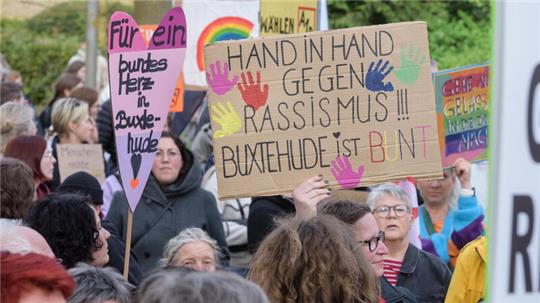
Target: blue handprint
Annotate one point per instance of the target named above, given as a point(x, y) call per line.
point(375, 77)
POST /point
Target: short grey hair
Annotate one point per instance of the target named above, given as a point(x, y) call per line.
point(10, 240)
point(199, 287)
point(390, 189)
point(15, 120)
point(187, 236)
point(96, 285)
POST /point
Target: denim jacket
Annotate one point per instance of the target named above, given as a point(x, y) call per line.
point(425, 275)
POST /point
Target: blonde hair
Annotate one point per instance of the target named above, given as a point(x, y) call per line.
point(15, 120)
point(66, 111)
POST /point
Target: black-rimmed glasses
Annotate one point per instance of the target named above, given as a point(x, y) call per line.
point(373, 243)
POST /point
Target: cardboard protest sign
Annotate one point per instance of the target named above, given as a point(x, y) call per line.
point(142, 81)
point(355, 105)
point(287, 17)
point(177, 101)
point(74, 158)
point(211, 21)
point(462, 96)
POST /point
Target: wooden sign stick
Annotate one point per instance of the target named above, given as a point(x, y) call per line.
point(128, 243)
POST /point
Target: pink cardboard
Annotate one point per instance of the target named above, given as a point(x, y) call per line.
point(142, 82)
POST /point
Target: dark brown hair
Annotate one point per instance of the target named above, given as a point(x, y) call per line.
point(346, 211)
point(16, 190)
point(86, 94)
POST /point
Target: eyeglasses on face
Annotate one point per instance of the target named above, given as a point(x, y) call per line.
point(384, 211)
point(373, 243)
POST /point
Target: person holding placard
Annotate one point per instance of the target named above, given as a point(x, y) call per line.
point(73, 125)
point(444, 227)
point(171, 202)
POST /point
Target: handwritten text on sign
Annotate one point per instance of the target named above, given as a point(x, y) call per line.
point(142, 83)
point(355, 105)
point(462, 103)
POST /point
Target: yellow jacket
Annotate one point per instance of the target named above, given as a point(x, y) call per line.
point(467, 284)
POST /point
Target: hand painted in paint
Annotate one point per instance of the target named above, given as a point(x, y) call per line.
point(251, 92)
point(375, 77)
point(219, 79)
point(409, 71)
point(344, 174)
point(227, 118)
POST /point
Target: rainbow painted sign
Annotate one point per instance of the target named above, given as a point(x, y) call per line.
point(462, 96)
point(142, 81)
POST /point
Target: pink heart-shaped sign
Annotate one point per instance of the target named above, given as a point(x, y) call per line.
point(142, 82)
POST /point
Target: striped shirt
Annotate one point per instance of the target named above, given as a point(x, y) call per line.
point(391, 270)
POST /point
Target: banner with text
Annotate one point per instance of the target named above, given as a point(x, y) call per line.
point(355, 105)
point(142, 81)
point(289, 17)
point(462, 96)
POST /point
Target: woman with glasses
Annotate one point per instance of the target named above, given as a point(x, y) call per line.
point(405, 265)
point(171, 202)
point(33, 151)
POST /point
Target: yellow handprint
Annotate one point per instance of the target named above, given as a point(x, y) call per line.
point(227, 118)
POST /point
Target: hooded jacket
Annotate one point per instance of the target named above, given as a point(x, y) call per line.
point(164, 212)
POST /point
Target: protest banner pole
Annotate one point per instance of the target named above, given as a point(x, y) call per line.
point(128, 243)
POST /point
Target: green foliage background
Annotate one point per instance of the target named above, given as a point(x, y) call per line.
point(39, 48)
point(460, 32)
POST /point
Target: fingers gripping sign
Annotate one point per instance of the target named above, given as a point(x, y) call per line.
point(344, 173)
point(462, 169)
point(219, 79)
point(375, 77)
point(251, 91)
point(308, 194)
point(227, 118)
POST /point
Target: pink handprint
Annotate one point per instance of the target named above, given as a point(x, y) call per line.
point(344, 174)
point(251, 93)
point(219, 79)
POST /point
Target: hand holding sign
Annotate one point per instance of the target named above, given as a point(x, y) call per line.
point(227, 118)
point(251, 93)
point(308, 194)
point(375, 77)
point(219, 80)
point(410, 68)
point(344, 174)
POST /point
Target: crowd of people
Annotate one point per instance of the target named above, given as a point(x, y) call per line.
point(64, 241)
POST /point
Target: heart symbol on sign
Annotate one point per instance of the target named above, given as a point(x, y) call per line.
point(154, 69)
point(336, 134)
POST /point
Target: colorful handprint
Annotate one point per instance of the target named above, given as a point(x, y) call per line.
point(409, 71)
point(219, 79)
point(344, 174)
point(251, 91)
point(227, 118)
point(375, 77)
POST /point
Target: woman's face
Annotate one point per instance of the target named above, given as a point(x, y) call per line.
point(168, 162)
point(81, 73)
point(100, 257)
point(393, 216)
point(437, 192)
point(198, 255)
point(47, 164)
point(366, 229)
point(94, 110)
point(83, 131)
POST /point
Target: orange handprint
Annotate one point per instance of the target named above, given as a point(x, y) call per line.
point(251, 92)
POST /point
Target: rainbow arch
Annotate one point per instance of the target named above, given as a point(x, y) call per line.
point(225, 28)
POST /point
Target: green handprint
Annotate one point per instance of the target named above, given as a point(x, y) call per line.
point(227, 118)
point(409, 71)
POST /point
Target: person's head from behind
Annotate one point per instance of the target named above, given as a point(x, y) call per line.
point(313, 260)
point(393, 211)
point(438, 192)
point(365, 227)
point(11, 91)
point(19, 239)
point(85, 184)
point(64, 85)
point(99, 285)
point(72, 228)
point(15, 120)
point(192, 248)
point(33, 278)
point(77, 68)
point(198, 287)
point(17, 189)
point(90, 96)
point(172, 160)
point(33, 151)
point(71, 121)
